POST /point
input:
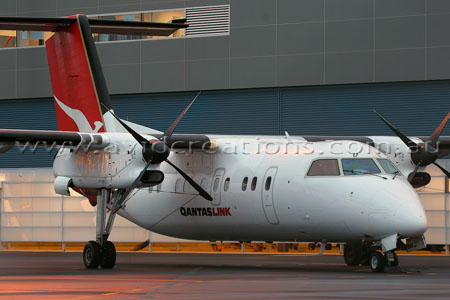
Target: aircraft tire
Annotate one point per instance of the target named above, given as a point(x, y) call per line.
point(377, 262)
point(91, 255)
point(352, 254)
point(108, 259)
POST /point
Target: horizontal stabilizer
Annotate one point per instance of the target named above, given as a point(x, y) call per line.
point(97, 26)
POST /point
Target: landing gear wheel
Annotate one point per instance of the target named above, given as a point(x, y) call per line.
point(91, 255)
point(352, 254)
point(377, 262)
point(108, 259)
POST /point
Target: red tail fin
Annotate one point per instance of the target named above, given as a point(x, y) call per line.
point(75, 90)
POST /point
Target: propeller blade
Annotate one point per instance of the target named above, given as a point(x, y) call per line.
point(411, 176)
point(442, 169)
point(130, 188)
point(404, 138)
point(437, 132)
point(168, 133)
point(139, 138)
point(194, 184)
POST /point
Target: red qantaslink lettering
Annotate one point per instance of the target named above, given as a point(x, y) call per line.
point(206, 211)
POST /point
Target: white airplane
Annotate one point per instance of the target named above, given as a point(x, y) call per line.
point(217, 187)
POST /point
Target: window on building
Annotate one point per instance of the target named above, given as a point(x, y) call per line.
point(160, 17)
point(203, 21)
point(7, 38)
point(244, 184)
point(324, 167)
point(254, 182)
point(226, 184)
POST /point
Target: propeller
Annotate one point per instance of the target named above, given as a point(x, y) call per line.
point(422, 154)
point(157, 151)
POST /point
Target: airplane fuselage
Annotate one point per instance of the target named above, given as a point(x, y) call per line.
point(261, 191)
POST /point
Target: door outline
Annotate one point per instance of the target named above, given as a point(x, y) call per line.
point(267, 197)
point(219, 173)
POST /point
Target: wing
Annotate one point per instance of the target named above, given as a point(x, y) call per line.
point(95, 140)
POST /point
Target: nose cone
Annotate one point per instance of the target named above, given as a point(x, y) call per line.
point(410, 218)
point(402, 204)
point(411, 222)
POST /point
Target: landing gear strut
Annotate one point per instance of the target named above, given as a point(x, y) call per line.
point(101, 252)
point(366, 253)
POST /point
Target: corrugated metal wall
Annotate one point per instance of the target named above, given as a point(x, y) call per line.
point(415, 108)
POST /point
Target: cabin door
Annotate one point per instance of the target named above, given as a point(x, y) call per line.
point(267, 196)
point(216, 186)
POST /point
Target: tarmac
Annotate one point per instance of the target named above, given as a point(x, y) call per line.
point(57, 275)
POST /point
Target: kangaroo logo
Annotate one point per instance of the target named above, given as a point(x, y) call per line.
point(79, 118)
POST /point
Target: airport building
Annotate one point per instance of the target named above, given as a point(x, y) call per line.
point(266, 67)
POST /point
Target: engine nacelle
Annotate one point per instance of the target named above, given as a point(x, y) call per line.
point(62, 185)
point(113, 167)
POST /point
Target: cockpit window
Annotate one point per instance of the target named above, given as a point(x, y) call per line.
point(387, 166)
point(359, 166)
point(324, 167)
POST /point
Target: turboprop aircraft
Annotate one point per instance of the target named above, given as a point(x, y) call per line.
point(218, 187)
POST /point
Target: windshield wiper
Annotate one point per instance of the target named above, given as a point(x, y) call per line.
point(395, 174)
point(364, 173)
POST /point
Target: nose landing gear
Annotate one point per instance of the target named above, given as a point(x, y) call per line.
point(101, 252)
point(366, 253)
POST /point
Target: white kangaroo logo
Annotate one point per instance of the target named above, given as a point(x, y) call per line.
point(79, 118)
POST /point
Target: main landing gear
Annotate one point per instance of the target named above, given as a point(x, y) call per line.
point(101, 251)
point(367, 254)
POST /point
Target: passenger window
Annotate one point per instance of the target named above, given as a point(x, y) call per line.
point(324, 167)
point(268, 182)
point(388, 166)
point(254, 181)
point(216, 184)
point(359, 166)
point(185, 186)
point(203, 183)
point(158, 188)
point(226, 184)
point(244, 183)
point(179, 186)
